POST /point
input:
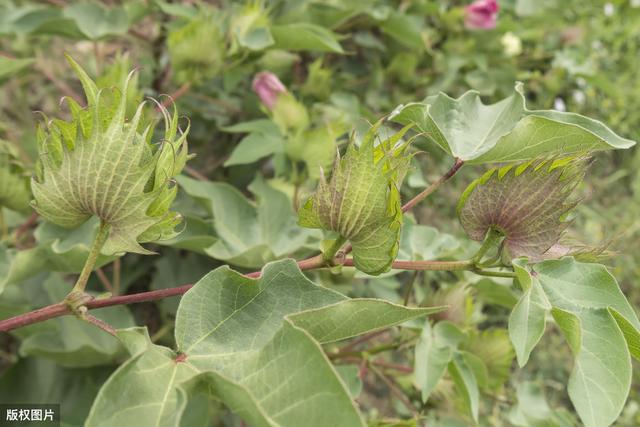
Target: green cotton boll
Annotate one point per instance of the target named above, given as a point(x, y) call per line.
point(289, 114)
point(315, 147)
point(197, 51)
point(526, 203)
point(361, 202)
point(103, 164)
point(14, 182)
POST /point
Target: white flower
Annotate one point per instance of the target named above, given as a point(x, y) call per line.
point(559, 104)
point(579, 97)
point(512, 44)
point(609, 9)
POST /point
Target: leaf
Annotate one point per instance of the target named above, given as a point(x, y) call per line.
point(254, 147)
point(99, 164)
point(422, 243)
point(361, 202)
point(404, 28)
point(11, 66)
point(534, 411)
point(466, 383)
point(14, 182)
point(245, 341)
point(505, 131)
point(249, 235)
point(354, 317)
point(96, 21)
point(305, 36)
point(67, 250)
point(527, 322)
point(592, 313)
point(525, 203)
point(432, 355)
point(143, 389)
point(16, 266)
point(72, 342)
point(601, 376)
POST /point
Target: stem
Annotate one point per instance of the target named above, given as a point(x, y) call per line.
point(489, 273)
point(98, 243)
point(182, 90)
point(492, 238)
point(104, 280)
point(395, 389)
point(100, 324)
point(117, 270)
point(333, 250)
point(425, 265)
point(433, 187)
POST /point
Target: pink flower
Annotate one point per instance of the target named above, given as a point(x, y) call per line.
point(481, 15)
point(267, 86)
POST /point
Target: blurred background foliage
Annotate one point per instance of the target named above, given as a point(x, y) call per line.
point(342, 64)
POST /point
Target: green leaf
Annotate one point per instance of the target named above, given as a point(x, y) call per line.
point(404, 28)
point(305, 36)
point(238, 337)
point(598, 323)
point(505, 131)
point(434, 350)
point(601, 376)
point(96, 21)
point(101, 164)
point(534, 411)
point(361, 202)
point(11, 66)
point(72, 342)
point(528, 318)
point(244, 327)
point(249, 235)
point(14, 182)
point(351, 318)
point(422, 243)
point(466, 383)
point(143, 390)
point(254, 147)
point(16, 266)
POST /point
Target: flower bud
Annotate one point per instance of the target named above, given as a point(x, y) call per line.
point(101, 164)
point(526, 203)
point(268, 87)
point(361, 202)
point(481, 15)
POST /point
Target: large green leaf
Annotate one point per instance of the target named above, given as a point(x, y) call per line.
point(143, 391)
point(465, 380)
point(95, 21)
point(305, 36)
point(598, 323)
point(505, 131)
point(254, 344)
point(249, 235)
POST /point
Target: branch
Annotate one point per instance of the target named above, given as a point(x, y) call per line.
point(433, 187)
point(61, 309)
